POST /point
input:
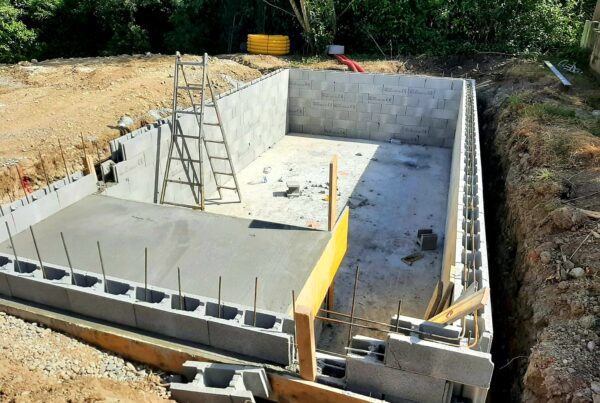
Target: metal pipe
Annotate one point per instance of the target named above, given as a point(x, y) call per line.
point(62, 237)
point(62, 154)
point(37, 251)
point(363, 351)
point(102, 267)
point(12, 244)
point(255, 294)
point(44, 171)
point(352, 306)
point(219, 312)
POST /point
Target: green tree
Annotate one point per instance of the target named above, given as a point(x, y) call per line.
point(16, 39)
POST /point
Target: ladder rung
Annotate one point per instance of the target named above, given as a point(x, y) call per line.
point(185, 136)
point(191, 87)
point(218, 158)
point(227, 187)
point(215, 141)
point(185, 159)
point(211, 124)
point(223, 173)
point(181, 204)
point(182, 112)
point(182, 182)
point(179, 62)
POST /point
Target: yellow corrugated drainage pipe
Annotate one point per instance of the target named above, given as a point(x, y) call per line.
point(268, 44)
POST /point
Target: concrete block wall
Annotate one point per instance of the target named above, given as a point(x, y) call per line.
point(192, 318)
point(42, 203)
point(254, 118)
point(413, 109)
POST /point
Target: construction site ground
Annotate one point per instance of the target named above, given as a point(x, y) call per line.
point(541, 174)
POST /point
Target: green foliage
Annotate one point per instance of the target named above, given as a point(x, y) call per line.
point(66, 28)
point(15, 38)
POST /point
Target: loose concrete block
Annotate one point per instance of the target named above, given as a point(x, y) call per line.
point(455, 364)
point(192, 393)
point(367, 374)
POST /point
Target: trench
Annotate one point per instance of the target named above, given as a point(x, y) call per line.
point(511, 338)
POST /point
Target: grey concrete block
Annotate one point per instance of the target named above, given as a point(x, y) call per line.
point(438, 83)
point(423, 92)
point(346, 87)
point(346, 106)
point(456, 364)
point(411, 81)
point(405, 100)
point(231, 335)
point(32, 287)
point(450, 104)
point(394, 109)
point(370, 88)
point(115, 306)
point(451, 94)
point(322, 85)
point(386, 79)
point(408, 120)
point(383, 118)
point(380, 99)
point(76, 191)
point(417, 111)
point(192, 393)
point(366, 374)
point(369, 107)
point(458, 85)
point(395, 90)
point(300, 84)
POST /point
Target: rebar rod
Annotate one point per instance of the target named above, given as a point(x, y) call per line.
point(62, 154)
point(352, 306)
point(102, 267)
point(255, 295)
point(44, 171)
point(62, 237)
point(37, 251)
point(12, 244)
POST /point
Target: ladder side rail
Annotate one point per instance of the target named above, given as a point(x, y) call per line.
point(173, 130)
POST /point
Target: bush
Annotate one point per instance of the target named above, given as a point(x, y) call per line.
point(16, 40)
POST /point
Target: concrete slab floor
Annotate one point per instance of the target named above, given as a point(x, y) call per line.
point(203, 245)
point(394, 190)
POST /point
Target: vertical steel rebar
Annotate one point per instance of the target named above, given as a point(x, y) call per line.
point(255, 294)
point(219, 307)
point(102, 267)
point(294, 317)
point(179, 286)
point(62, 237)
point(146, 274)
point(398, 315)
point(21, 183)
point(37, 251)
point(45, 173)
point(12, 244)
point(62, 154)
point(352, 307)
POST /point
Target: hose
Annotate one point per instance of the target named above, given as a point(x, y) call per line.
point(352, 65)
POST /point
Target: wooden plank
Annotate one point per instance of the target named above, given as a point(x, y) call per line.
point(333, 167)
point(317, 285)
point(446, 297)
point(463, 308)
point(169, 355)
point(330, 296)
point(566, 83)
point(434, 301)
point(305, 340)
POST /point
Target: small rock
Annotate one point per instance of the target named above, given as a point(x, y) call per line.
point(595, 387)
point(568, 265)
point(130, 366)
point(591, 346)
point(577, 272)
point(588, 321)
point(545, 257)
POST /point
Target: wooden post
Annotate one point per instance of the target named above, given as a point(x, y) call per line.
point(305, 334)
point(333, 165)
point(88, 165)
point(596, 16)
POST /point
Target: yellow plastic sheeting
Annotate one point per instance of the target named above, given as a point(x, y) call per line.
point(322, 275)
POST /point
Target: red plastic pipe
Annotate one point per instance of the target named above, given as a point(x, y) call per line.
point(352, 65)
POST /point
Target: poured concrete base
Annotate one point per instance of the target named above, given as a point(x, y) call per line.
point(393, 190)
point(204, 245)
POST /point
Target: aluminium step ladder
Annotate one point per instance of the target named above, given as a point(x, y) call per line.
point(187, 148)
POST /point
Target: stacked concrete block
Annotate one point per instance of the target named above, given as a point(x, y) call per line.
point(412, 109)
point(263, 335)
point(221, 383)
point(44, 202)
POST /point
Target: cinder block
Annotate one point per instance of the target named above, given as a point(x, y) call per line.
point(408, 120)
point(386, 79)
point(411, 81)
point(333, 114)
point(346, 106)
point(320, 103)
point(370, 88)
point(453, 105)
point(332, 96)
point(346, 87)
point(438, 83)
point(395, 90)
point(322, 85)
point(367, 374)
point(230, 335)
point(380, 99)
point(369, 107)
point(394, 109)
point(434, 122)
point(316, 75)
point(429, 103)
point(457, 85)
point(77, 190)
point(455, 95)
point(192, 393)
point(455, 364)
point(443, 114)
point(32, 287)
point(383, 118)
point(362, 78)
point(417, 111)
point(405, 100)
point(424, 92)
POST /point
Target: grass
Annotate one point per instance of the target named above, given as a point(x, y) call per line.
point(545, 174)
point(548, 111)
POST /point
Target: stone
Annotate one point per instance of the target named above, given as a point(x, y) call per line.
point(568, 265)
point(591, 346)
point(595, 387)
point(577, 272)
point(545, 257)
point(588, 321)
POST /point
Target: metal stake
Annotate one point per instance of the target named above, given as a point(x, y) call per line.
point(12, 244)
point(21, 182)
point(146, 274)
point(64, 161)
point(219, 313)
point(73, 281)
point(179, 285)
point(352, 307)
point(255, 293)
point(44, 171)
point(37, 251)
point(102, 267)
point(398, 315)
